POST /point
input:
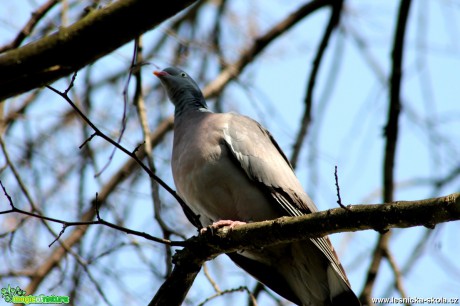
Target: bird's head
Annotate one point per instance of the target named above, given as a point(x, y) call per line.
point(182, 90)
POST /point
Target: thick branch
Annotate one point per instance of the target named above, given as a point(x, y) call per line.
point(189, 260)
point(71, 48)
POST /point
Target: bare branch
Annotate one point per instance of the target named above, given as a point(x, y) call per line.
point(391, 133)
point(28, 28)
point(193, 218)
point(52, 57)
point(75, 236)
point(233, 70)
point(224, 292)
point(397, 272)
point(66, 224)
point(392, 127)
point(210, 279)
point(403, 214)
point(336, 8)
point(339, 199)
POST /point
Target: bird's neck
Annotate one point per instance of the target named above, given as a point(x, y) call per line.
point(190, 103)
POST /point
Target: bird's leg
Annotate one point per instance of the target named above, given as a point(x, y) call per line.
point(222, 223)
point(231, 223)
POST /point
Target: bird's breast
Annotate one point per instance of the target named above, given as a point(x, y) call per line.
point(208, 178)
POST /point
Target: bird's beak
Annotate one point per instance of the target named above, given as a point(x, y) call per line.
point(160, 73)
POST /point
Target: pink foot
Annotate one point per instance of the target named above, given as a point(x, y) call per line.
point(221, 223)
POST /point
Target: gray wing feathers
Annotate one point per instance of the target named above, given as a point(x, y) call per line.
point(263, 161)
point(326, 247)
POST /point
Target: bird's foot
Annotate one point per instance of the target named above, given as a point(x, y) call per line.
point(221, 223)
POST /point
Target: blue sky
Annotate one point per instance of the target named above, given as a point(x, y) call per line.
point(350, 109)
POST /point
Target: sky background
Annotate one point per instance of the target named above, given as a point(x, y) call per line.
point(349, 114)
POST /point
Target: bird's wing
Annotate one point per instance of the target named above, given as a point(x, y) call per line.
point(261, 158)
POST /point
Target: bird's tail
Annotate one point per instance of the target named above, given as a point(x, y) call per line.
point(318, 280)
point(340, 292)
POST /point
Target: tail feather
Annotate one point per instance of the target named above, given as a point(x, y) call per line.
point(346, 298)
point(299, 272)
point(340, 292)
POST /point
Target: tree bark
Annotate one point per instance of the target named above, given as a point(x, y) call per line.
point(71, 48)
point(380, 217)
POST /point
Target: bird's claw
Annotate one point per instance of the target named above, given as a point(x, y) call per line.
point(221, 223)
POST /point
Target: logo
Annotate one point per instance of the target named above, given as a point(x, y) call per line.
point(18, 296)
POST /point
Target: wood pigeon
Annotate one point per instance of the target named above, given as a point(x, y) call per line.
point(226, 168)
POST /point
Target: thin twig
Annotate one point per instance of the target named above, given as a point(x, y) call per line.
point(233, 70)
point(221, 293)
point(210, 279)
point(397, 273)
point(193, 218)
point(142, 114)
point(336, 7)
point(17, 176)
point(8, 121)
point(75, 236)
point(258, 288)
point(416, 256)
point(125, 107)
point(30, 25)
point(66, 224)
point(391, 133)
point(339, 199)
point(65, 249)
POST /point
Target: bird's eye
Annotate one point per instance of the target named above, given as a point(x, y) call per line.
point(183, 74)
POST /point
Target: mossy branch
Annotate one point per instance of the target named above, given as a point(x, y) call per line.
point(71, 48)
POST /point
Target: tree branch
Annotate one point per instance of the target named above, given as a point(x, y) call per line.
point(401, 214)
point(392, 127)
point(66, 224)
point(97, 132)
point(247, 57)
point(71, 48)
point(212, 89)
point(391, 133)
point(76, 235)
point(336, 10)
point(28, 28)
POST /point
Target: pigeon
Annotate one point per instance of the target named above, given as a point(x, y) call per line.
point(229, 169)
